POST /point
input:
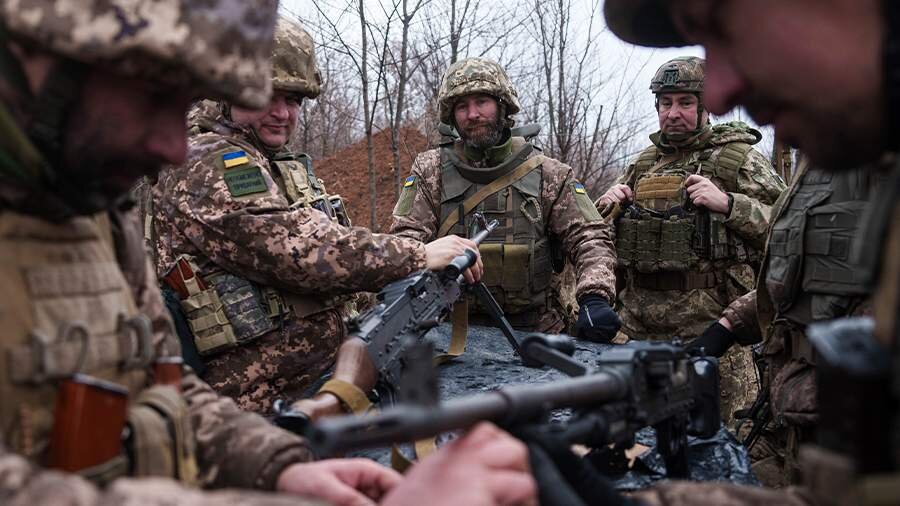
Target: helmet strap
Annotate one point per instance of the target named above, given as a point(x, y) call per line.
point(891, 71)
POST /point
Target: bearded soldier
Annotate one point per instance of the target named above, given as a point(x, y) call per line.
point(258, 251)
point(545, 213)
point(93, 96)
point(696, 205)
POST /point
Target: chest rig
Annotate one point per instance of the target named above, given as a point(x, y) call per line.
point(810, 275)
point(663, 231)
point(224, 310)
point(69, 311)
point(516, 256)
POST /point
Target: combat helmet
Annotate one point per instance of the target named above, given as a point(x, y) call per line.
point(294, 61)
point(476, 75)
point(219, 48)
point(679, 75)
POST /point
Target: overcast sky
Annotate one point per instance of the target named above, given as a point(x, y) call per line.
point(635, 65)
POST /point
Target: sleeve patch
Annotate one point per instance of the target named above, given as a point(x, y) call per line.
point(245, 181)
point(588, 210)
point(407, 196)
point(235, 159)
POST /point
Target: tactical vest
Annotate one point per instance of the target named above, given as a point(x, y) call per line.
point(224, 310)
point(68, 310)
point(516, 256)
point(810, 275)
point(663, 231)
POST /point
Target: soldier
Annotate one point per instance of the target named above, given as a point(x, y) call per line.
point(545, 213)
point(93, 96)
point(829, 85)
point(696, 206)
point(248, 220)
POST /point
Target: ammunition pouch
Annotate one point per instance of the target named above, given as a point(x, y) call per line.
point(160, 440)
point(304, 189)
point(518, 275)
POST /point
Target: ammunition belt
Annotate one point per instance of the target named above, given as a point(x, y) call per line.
point(673, 280)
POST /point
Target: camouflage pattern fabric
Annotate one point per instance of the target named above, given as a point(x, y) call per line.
point(218, 47)
point(475, 75)
point(684, 74)
point(294, 60)
point(586, 243)
point(258, 236)
point(662, 314)
point(716, 494)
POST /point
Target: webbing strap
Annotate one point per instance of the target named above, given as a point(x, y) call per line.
point(493, 187)
point(350, 395)
point(460, 319)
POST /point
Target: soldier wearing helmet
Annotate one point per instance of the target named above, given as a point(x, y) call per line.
point(545, 213)
point(691, 214)
point(275, 252)
point(92, 96)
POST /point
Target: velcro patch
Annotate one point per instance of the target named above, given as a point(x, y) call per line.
point(588, 210)
point(235, 159)
point(245, 181)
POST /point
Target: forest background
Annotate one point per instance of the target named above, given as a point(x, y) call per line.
point(382, 61)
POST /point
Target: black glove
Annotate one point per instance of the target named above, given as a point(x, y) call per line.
point(563, 478)
point(715, 340)
point(596, 320)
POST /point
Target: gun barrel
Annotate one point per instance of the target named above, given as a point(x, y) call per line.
point(506, 407)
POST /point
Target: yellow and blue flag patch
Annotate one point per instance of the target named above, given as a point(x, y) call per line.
point(411, 180)
point(234, 159)
point(579, 188)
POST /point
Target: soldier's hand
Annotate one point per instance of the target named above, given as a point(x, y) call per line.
point(486, 467)
point(340, 482)
point(617, 194)
point(596, 319)
point(439, 253)
point(704, 193)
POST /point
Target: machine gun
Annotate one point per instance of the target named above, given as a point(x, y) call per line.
point(405, 311)
point(634, 386)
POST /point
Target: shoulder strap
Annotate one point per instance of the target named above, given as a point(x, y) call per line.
point(729, 162)
point(496, 185)
point(645, 161)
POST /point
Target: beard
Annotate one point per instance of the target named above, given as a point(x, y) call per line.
point(483, 135)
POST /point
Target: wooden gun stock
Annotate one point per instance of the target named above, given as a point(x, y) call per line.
point(354, 367)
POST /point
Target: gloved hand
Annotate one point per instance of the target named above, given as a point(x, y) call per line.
point(715, 340)
point(596, 320)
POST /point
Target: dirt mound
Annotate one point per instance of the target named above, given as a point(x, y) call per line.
point(346, 173)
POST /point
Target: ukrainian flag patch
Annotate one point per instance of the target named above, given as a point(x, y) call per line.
point(411, 180)
point(234, 159)
point(579, 188)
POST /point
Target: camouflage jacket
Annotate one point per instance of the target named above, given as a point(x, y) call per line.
point(586, 242)
point(260, 237)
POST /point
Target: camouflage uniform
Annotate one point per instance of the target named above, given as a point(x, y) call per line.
point(800, 284)
point(545, 211)
point(808, 275)
point(79, 278)
point(247, 233)
point(670, 289)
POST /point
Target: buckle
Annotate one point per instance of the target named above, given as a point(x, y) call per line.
point(41, 345)
point(138, 332)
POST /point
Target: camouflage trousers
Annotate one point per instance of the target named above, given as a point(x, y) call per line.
point(660, 315)
point(280, 364)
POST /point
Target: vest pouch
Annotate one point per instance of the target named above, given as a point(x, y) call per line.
point(828, 240)
point(245, 306)
point(160, 440)
point(675, 252)
point(647, 244)
point(211, 330)
point(541, 266)
point(720, 245)
point(626, 242)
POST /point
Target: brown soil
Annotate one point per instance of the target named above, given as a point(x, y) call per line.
point(346, 173)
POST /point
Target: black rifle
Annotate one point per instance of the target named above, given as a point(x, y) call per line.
point(636, 385)
point(405, 311)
